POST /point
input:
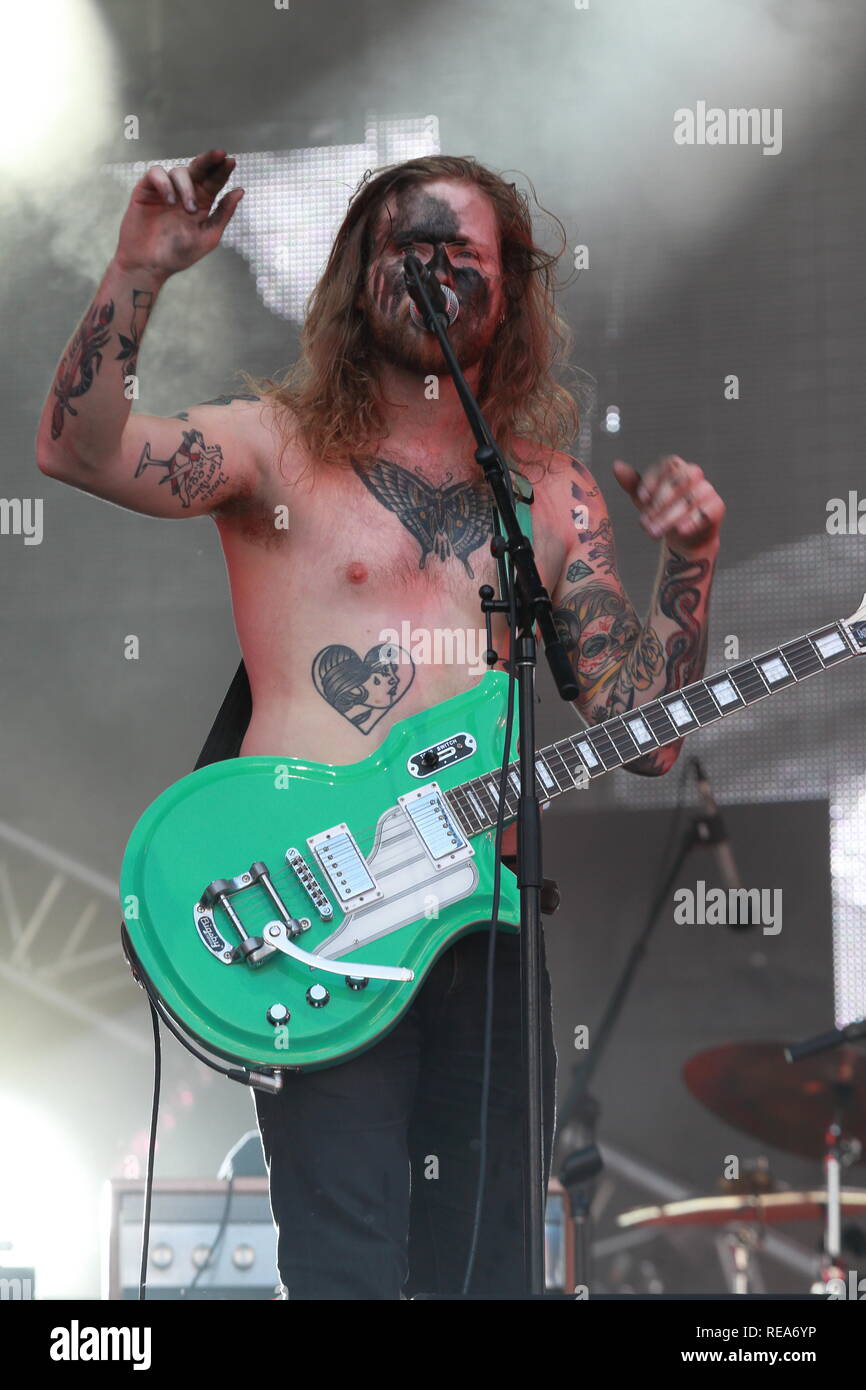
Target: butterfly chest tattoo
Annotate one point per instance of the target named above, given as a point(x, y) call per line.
point(446, 519)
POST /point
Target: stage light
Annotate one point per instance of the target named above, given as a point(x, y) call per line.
point(56, 78)
point(611, 420)
point(47, 1209)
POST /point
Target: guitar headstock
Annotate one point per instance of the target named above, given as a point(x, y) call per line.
point(856, 627)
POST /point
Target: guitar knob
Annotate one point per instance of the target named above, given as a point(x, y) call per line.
point(277, 1015)
point(357, 981)
point(317, 996)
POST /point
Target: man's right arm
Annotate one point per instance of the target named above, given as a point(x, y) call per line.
point(87, 436)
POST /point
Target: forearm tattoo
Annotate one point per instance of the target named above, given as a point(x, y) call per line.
point(80, 363)
point(142, 303)
point(363, 689)
point(453, 519)
point(193, 472)
point(680, 593)
point(679, 598)
point(613, 657)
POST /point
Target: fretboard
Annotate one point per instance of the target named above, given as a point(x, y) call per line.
point(574, 762)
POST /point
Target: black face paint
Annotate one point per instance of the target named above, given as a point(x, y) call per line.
point(421, 219)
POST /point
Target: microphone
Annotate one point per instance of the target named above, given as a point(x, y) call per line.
point(852, 1032)
point(713, 832)
point(443, 299)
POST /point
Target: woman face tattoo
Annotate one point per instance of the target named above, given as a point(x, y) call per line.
point(451, 227)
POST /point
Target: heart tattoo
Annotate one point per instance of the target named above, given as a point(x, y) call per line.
point(363, 689)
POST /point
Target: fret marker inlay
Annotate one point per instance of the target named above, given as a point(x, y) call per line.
point(639, 729)
point(774, 669)
point(680, 712)
point(724, 692)
point(829, 644)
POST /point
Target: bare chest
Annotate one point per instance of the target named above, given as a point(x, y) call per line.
point(388, 534)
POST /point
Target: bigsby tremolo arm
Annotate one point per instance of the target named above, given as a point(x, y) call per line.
point(276, 935)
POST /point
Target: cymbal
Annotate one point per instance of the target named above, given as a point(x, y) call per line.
point(769, 1208)
point(788, 1104)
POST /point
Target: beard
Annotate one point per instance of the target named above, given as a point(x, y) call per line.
point(403, 344)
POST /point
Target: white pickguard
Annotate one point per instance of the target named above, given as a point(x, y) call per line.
point(413, 888)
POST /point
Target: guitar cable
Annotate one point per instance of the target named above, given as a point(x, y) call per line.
point(506, 582)
point(151, 1153)
point(240, 1074)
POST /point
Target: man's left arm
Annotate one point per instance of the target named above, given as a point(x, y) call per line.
point(620, 662)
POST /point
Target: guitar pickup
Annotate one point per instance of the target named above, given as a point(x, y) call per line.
point(435, 827)
point(345, 866)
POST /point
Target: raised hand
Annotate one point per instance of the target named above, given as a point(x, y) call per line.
point(171, 221)
point(675, 500)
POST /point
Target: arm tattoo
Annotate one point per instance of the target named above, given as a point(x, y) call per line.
point(587, 487)
point(679, 599)
point(219, 400)
point(601, 547)
point(194, 470)
point(81, 363)
point(142, 302)
point(453, 519)
point(686, 648)
point(614, 657)
point(363, 689)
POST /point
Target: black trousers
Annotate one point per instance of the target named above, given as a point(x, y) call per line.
point(373, 1163)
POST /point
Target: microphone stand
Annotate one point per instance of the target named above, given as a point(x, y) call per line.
point(534, 608)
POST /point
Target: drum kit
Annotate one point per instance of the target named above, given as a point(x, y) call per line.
point(815, 1108)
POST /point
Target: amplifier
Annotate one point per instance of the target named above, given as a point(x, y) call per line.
point(197, 1227)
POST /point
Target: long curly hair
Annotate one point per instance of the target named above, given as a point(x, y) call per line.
point(331, 396)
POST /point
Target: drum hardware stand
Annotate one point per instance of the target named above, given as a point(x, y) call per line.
point(577, 1174)
point(840, 1151)
point(738, 1244)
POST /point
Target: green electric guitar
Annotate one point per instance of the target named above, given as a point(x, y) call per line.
point(285, 913)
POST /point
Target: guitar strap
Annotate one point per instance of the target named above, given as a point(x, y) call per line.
point(230, 726)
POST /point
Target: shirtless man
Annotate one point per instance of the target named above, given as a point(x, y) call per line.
point(389, 520)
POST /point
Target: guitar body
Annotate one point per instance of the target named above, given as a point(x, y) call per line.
point(286, 913)
point(400, 901)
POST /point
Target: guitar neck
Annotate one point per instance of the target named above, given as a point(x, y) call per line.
point(573, 762)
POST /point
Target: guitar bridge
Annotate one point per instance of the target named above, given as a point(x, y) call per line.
point(310, 884)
